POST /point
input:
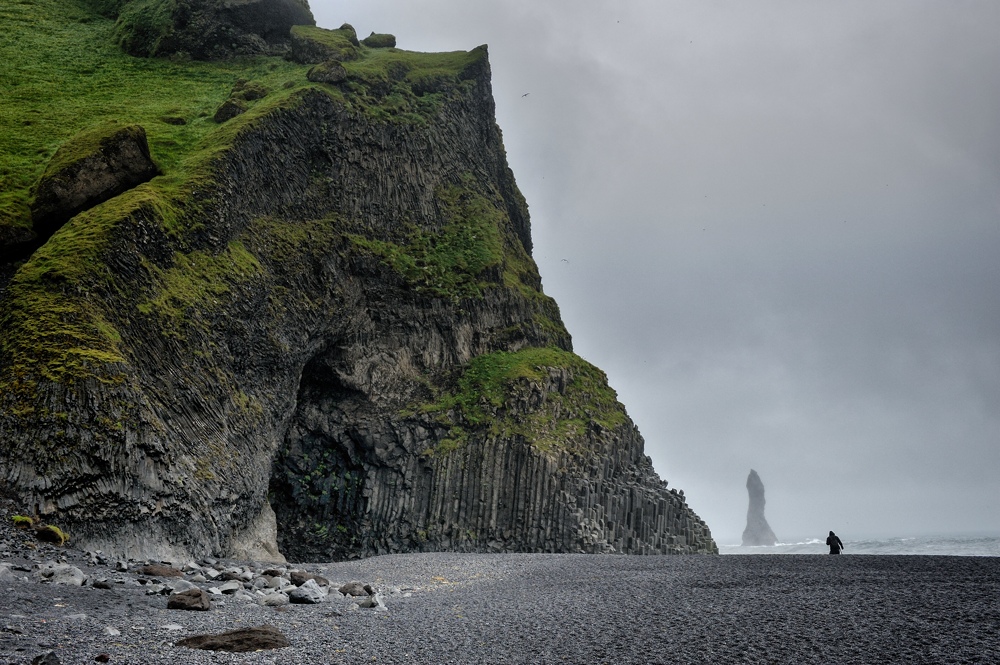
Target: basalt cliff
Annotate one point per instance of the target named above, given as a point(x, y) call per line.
point(284, 304)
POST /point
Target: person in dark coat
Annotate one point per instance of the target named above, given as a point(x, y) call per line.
point(834, 542)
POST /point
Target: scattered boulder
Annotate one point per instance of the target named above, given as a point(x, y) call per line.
point(229, 110)
point(300, 577)
point(238, 641)
point(49, 658)
point(355, 589)
point(159, 570)
point(379, 41)
point(310, 593)
point(179, 586)
point(90, 168)
point(372, 602)
point(277, 599)
point(62, 574)
point(173, 120)
point(193, 599)
point(330, 71)
point(757, 532)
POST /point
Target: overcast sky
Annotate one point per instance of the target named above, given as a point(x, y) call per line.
point(776, 226)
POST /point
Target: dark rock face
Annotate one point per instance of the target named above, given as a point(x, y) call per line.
point(89, 170)
point(210, 29)
point(318, 356)
point(758, 532)
point(16, 243)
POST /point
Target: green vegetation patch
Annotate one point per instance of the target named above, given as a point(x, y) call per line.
point(478, 404)
point(52, 329)
point(195, 283)
point(63, 73)
point(393, 85)
point(143, 24)
point(449, 263)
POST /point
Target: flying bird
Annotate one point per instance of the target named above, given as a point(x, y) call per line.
point(526, 94)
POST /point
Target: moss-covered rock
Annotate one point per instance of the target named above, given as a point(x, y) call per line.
point(379, 41)
point(351, 33)
point(229, 110)
point(312, 45)
point(206, 29)
point(89, 169)
point(249, 91)
point(330, 71)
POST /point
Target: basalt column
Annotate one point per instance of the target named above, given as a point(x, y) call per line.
point(758, 532)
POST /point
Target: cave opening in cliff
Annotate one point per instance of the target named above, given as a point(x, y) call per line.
point(317, 477)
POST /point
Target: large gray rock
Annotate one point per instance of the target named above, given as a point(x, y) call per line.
point(62, 574)
point(309, 593)
point(6, 575)
point(757, 531)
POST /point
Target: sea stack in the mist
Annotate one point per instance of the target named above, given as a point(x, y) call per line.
point(316, 330)
point(758, 531)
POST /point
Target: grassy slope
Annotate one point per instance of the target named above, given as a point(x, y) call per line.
point(65, 74)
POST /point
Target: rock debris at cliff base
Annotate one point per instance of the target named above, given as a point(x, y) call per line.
point(527, 608)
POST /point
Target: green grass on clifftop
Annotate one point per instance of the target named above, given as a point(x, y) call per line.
point(63, 74)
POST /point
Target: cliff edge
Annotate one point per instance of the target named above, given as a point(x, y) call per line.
point(317, 331)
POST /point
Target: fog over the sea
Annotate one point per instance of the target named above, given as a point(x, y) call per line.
point(776, 226)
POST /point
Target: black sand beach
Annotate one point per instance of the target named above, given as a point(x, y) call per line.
point(533, 608)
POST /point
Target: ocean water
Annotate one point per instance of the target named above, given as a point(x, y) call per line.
point(936, 545)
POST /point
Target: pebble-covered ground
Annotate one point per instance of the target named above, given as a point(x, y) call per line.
point(524, 608)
